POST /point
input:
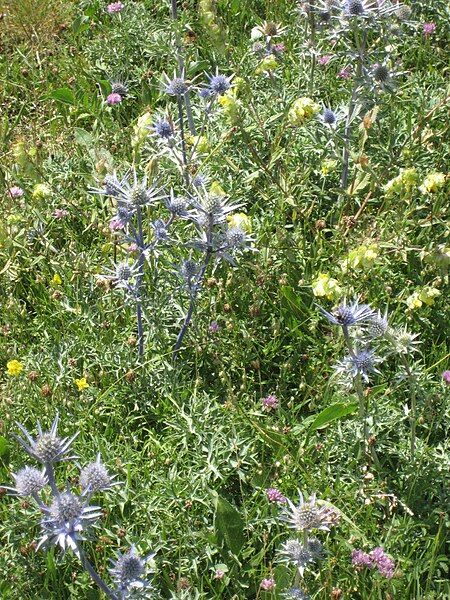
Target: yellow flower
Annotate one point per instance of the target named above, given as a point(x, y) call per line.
point(268, 64)
point(402, 184)
point(301, 110)
point(362, 257)
point(56, 280)
point(14, 367)
point(41, 191)
point(200, 142)
point(426, 296)
point(216, 189)
point(432, 183)
point(141, 130)
point(240, 220)
point(324, 285)
point(327, 166)
point(81, 384)
point(230, 103)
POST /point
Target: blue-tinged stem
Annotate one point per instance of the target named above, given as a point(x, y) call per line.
point(351, 107)
point(140, 277)
point(196, 289)
point(51, 479)
point(181, 67)
point(94, 575)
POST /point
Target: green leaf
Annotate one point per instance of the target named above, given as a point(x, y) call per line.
point(3, 446)
point(64, 95)
point(228, 525)
point(332, 413)
point(83, 137)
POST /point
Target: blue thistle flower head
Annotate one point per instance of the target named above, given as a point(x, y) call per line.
point(328, 116)
point(128, 571)
point(176, 86)
point(295, 594)
point(28, 481)
point(65, 520)
point(48, 447)
point(347, 315)
point(94, 477)
point(295, 553)
point(219, 84)
point(361, 362)
point(163, 129)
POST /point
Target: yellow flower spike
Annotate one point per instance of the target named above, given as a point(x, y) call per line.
point(433, 183)
point(326, 286)
point(240, 220)
point(14, 367)
point(301, 110)
point(414, 301)
point(267, 65)
point(56, 280)
point(41, 191)
point(141, 130)
point(428, 294)
point(216, 189)
point(81, 384)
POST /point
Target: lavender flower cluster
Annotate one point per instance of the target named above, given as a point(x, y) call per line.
point(67, 516)
point(376, 559)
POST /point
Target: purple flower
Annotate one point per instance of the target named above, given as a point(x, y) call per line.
point(15, 192)
point(325, 59)
point(213, 327)
point(267, 584)
point(361, 559)
point(60, 213)
point(115, 7)
point(114, 99)
point(270, 402)
point(274, 495)
point(384, 564)
point(344, 73)
point(446, 377)
point(116, 224)
point(219, 574)
point(428, 28)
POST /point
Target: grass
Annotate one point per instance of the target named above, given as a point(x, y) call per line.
point(189, 440)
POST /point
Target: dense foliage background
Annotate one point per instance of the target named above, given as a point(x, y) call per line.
point(190, 441)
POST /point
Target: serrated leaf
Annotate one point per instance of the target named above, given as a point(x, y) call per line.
point(228, 525)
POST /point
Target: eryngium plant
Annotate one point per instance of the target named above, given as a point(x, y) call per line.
point(210, 239)
point(67, 516)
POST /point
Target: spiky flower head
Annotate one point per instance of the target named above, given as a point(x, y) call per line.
point(176, 86)
point(48, 447)
point(218, 84)
point(177, 205)
point(236, 237)
point(189, 269)
point(381, 73)
point(403, 341)
point(295, 553)
point(160, 230)
point(124, 272)
point(131, 194)
point(113, 187)
point(295, 594)
point(113, 99)
point(66, 507)
point(65, 520)
point(128, 572)
point(347, 315)
point(94, 477)
point(403, 12)
point(29, 481)
point(378, 325)
point(354, 8)
point(361, 362)
point(163, 129)
point(328, 116)
point(117, 87)
point(308, 514)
